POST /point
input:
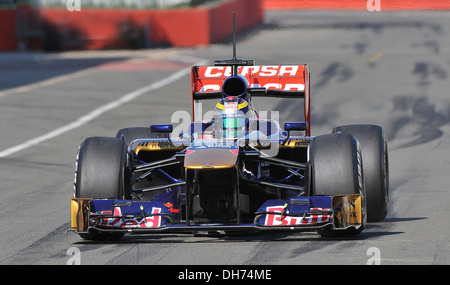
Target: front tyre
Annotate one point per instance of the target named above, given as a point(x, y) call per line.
point(376, 167)
point(336, 169)
point(99, 174)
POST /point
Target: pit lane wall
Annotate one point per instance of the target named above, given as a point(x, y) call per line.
point(25, 28)
point(90, 28)
point(8, 39)
point(367, 5)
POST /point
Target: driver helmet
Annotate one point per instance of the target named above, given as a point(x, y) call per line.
point(231, 117)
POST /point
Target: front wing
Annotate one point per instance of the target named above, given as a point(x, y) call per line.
point(296, 214)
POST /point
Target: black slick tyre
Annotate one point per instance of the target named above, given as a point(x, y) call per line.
point(336, 169)
point(99, 174)
point(376, 167)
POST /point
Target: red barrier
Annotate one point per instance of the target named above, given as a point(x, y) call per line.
point(93, 28)
point(120, 28)
point(125, 28)
point(384, 5)
point(8, 39)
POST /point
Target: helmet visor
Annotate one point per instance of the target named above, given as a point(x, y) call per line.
point(233, 123)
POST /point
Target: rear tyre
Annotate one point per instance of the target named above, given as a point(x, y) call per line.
point(99, 174)
point(376, 167)
point(336, 169)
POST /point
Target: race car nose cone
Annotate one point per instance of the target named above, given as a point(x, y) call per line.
point(211, 158)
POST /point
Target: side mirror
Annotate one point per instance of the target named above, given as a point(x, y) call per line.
point(295, 126)
point(165, 129)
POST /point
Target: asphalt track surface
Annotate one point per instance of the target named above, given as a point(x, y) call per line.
point(386, 68)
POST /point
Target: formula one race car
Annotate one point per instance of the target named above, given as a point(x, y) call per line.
point(236, 172)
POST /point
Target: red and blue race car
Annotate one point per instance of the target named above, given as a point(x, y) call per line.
point(236, 172)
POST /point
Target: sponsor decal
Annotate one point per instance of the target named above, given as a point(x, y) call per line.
point(171, 208)
point(280, 77)
point(278, 217)
point(264, 70)
point(147, 222)
point(230, 106)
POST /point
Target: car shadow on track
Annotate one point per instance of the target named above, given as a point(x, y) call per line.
point(372, 231)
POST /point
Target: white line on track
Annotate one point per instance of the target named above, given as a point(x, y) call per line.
point(97, 112)
point(48, 82)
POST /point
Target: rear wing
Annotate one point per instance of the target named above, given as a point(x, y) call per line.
point(284, 81)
